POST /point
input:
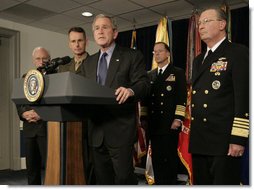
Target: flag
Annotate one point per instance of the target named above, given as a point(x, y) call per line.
point(133, 40)
point(193, 49)
point(149, 166)
point(226, 9)
point(140, 145)
point(170, 34)
point(161, 35)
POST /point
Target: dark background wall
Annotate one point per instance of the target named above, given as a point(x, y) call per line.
point(146, 37)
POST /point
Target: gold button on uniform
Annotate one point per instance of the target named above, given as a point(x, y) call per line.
point(246, 115)
point(206, 91)
point(192, 105)
point(204, 119)
point(161, 103)
point(194, 92)
point(205, 105)
point(161, 112)
point(162, 94)
point(192, 118)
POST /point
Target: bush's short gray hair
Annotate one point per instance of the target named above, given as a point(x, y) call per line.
point(112, 20)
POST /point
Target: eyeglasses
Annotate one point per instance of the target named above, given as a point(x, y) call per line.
point(206, 20)
point(42, 59)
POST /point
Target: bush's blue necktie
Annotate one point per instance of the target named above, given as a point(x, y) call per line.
point(102, 74)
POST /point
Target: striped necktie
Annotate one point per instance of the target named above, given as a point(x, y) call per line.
point(77, 64)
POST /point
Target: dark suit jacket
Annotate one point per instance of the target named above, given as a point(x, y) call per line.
point(31, 129)
point(167, 99)
point(220, 100)
point(116, 125)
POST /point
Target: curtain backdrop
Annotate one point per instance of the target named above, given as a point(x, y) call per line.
point(146, 37)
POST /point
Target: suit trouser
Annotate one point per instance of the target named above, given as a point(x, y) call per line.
point(114, 165)
point(216, 170)
point(165, 158)
point(87, 156)
point(35, 158)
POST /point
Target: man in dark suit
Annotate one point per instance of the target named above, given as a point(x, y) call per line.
point(166, 105)
point(34, 130)
point(113, 130)
point(220, 104)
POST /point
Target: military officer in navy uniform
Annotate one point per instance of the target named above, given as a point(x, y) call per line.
point(220, 112)
point(166, 105)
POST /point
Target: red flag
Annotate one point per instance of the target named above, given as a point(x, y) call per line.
point(140, 145)
point(193, 49)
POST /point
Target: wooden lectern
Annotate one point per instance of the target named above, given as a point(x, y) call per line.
point(67, 100)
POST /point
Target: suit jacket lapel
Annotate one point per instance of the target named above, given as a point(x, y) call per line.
point(167, 71)
point(93, 69)
point(113, 66)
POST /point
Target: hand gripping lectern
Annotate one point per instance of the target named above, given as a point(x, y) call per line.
point(67, 99)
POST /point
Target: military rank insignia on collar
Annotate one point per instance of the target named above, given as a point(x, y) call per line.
point(220, 65)
point(171, 77)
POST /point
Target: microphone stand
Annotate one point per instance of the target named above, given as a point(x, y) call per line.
point(47, 69)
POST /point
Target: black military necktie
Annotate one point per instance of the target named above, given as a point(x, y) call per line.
point(102, 73)
point(210, 52)
point(160, 72)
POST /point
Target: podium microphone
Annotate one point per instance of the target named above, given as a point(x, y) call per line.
point(50, 67)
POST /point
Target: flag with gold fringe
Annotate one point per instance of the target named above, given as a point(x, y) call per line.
point(161, 35)
point(140, 145)
point(133, 39)
point(149, 174)
point(193, 49)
